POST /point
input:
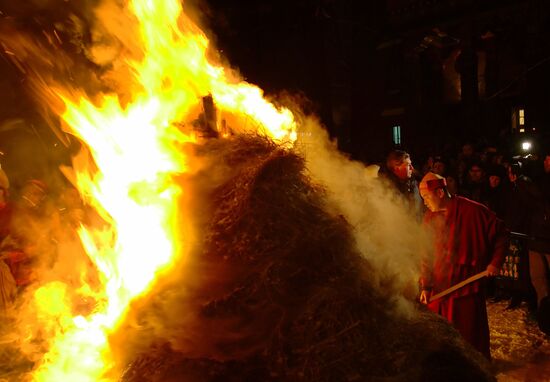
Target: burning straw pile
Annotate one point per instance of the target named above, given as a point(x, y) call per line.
point(278, 291)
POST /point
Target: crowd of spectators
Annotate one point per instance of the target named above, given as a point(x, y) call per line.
point(479, 196)
point(517, 190)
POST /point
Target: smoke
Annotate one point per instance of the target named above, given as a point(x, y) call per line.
point(387, 232)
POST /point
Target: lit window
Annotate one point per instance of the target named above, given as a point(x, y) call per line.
point(522, 130)
point(521, 121)
point(521, 113)
point(396, 135)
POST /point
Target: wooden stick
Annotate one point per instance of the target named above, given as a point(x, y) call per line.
point(458, 286)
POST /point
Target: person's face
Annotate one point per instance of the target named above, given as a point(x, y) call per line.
point(467, 150)
point(430, 162)
point(452, 187)
point(476, 174)
point(432, 199)
point(494, 181)
point(547, 164)
point(439, 168)
point(404, 170)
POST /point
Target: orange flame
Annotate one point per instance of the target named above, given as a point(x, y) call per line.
point(137, 151)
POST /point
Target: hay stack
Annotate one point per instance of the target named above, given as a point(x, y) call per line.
point(283, 294)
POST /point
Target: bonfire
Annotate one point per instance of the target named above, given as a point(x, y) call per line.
point(218, 252)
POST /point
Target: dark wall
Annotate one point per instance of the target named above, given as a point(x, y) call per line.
point(366, 66)
point(369, 65)
point(277, 45)
point(321, 49)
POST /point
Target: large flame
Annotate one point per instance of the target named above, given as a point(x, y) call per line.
point(136, 151)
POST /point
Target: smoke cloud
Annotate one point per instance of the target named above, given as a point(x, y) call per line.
point(386, 232)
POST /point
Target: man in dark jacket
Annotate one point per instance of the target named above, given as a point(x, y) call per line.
point(398, 172)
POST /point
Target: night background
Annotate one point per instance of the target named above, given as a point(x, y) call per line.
point(444, 71)
point(437, 73)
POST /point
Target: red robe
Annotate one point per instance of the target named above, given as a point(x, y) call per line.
point(468, 237)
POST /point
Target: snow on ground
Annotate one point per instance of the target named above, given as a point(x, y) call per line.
point(520, 351)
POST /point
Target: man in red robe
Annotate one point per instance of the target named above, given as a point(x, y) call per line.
point(468, 239)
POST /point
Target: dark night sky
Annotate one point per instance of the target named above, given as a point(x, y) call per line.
point(366, 66)
point(359, 61)
point(308, 47)
point(277, 45)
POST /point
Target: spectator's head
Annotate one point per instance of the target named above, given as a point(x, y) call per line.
point(476, 174)
point(489, 154)
point(498, 159)
point(467, 150)
point(399, 163)
point(452, 184)
point(496, 175)
point(439, 166)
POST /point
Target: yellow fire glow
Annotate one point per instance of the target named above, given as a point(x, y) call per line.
point(136, 149)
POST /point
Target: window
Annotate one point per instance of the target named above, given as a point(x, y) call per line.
point(518, 119)
point(521, 117)
point(396, 134)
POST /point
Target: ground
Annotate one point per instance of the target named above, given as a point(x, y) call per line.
point(520, 351)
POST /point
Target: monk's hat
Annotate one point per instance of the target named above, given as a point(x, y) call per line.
point(432, 182)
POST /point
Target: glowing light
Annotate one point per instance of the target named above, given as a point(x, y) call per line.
point(126, 170)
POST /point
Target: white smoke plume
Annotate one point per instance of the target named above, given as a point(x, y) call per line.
point(388, 235)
